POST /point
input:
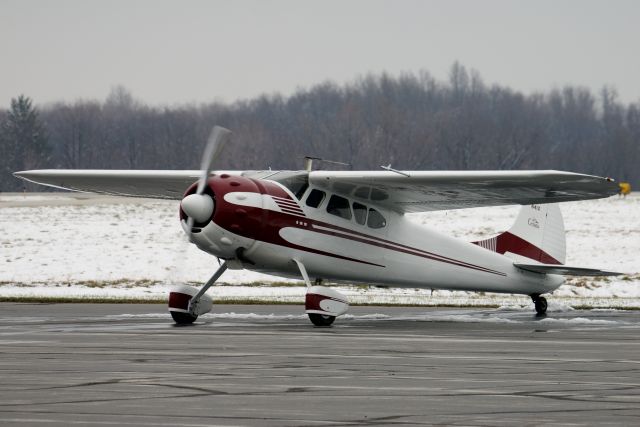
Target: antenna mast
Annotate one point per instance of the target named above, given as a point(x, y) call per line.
point(308, 162)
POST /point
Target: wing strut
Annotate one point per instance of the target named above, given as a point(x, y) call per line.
point(303, 271)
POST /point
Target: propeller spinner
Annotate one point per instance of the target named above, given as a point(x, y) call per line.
point(199, 207)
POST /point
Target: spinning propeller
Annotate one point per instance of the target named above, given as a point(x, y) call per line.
point(199, 206)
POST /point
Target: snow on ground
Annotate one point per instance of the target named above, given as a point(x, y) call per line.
point(63, 245)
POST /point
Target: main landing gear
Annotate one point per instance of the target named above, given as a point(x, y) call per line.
point(321, 304)
point(321, 319)
point(540, 303)
point(183, 318)
point(186, 303)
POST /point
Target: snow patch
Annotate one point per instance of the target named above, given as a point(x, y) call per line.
point(137, 249)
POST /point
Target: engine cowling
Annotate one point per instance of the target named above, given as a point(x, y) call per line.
point(223, 224)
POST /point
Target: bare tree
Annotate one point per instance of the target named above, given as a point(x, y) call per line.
point(412, 121)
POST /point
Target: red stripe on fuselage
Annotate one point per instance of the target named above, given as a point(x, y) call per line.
point(507, 242)
point(408, 250)
point(262, 224)
point(265, 225)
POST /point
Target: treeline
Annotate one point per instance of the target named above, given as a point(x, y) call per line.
point(412, 121)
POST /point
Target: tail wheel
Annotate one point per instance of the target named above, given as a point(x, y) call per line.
point(541, 305)
point(183, 318)
point(321, 319)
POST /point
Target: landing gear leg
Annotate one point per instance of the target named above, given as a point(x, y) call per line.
point(185, 304)
point(322, 304)
point(195, 300)
point(540, 303)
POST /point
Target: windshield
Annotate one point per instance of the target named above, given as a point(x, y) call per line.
point(296, 182)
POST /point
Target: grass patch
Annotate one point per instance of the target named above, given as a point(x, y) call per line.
point(260, 284)
point(122, 283)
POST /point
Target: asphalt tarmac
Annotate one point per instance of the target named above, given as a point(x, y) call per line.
point(100, 364)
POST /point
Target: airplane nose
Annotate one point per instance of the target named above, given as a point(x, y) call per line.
point(198, 206)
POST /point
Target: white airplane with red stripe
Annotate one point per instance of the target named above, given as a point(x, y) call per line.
point(350, 226)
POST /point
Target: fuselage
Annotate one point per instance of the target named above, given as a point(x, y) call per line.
point(264, 226)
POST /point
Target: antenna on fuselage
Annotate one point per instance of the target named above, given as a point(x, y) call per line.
point(308, 162)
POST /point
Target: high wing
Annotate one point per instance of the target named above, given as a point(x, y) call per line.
point(152, 184)
point(442, 190)
point(565, 270)
point(417, 192)
point(156, 184)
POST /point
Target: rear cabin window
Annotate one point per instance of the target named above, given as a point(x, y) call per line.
point(360, 213)
point(375, 219)
point(315, 198)
point(339, 206)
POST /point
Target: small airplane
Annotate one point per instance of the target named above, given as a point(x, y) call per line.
point(350, 226)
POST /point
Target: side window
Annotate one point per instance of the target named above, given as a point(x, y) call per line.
point(339, 206)
point(360, 213)
point(376, 220)
point(315, 198)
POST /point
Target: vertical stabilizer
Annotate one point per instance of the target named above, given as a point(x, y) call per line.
point(537, 235)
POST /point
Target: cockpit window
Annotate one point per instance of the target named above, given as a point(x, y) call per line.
point(296, 183)
point(339, 206)
point(360, 213)
point(315, 198)
point(375, 219)
point(301, 191)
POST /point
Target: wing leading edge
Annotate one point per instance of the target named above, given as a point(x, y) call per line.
point(156, 184)
point(443, 190)
point(417, 192)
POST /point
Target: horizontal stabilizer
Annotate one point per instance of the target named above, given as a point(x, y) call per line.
point(565, 270)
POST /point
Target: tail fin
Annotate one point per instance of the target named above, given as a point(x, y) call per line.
point(537, 234)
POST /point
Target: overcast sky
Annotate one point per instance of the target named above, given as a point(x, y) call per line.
point(169, 52)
